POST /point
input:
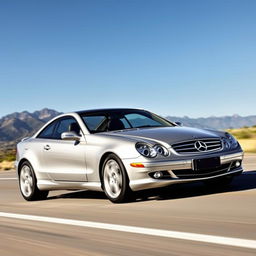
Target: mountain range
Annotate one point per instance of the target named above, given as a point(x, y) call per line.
point(16, 126)
point(218, 123)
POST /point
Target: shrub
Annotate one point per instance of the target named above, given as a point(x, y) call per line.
point(243, 135)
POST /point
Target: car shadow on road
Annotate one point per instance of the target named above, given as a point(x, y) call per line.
point(81, 194)
point(246, 181)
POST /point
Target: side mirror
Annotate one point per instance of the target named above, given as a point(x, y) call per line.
point(178, 123)
point(70, 136)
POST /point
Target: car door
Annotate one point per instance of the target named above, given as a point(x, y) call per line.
point(64, 160)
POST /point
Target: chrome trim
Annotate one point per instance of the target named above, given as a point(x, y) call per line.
point(197, 144)
point(200, 146)
point(233, 156)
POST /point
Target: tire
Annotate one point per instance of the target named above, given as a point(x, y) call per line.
point(28, 183)
point(115, 181)
point(219, 183)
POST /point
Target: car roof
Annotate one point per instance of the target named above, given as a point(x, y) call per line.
point(107, 110)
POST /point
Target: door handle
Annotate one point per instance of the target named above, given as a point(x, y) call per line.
point(47, 147)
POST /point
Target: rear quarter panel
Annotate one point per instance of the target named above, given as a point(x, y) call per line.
point(31, 150)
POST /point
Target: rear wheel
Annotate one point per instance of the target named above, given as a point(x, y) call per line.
point(28, 183)
point(115, 180)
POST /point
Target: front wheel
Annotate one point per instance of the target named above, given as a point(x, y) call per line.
point(115, 180)
point(28, 184)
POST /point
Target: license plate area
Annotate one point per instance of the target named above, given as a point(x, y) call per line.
point(206, 163)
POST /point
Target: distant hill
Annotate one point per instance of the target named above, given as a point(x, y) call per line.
point(15, 126)
point(219, 123)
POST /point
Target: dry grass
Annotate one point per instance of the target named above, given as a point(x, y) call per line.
point(244, 133)
point(248, 145)
point(246, 137)
point(6, 165)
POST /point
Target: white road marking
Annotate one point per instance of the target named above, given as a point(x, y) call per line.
point(8, 178)
point(229, 241)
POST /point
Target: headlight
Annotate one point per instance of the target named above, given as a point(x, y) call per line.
point(229, 141)
point(151, 151)
point(161, 150)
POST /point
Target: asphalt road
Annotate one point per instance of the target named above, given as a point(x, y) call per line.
point(224, 220)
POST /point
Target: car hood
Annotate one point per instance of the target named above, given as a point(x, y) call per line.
point(168, 135)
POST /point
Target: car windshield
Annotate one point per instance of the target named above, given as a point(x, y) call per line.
point(122, 120)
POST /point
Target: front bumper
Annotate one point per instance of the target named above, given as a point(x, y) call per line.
point(140, 178)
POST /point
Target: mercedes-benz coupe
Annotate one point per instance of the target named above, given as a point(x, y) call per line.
point(120, 151)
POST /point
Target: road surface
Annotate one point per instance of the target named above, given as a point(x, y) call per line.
point(184, 220)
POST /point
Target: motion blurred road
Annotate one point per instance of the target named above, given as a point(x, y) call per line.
point(188, 208)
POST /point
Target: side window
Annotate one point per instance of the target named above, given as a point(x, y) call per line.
point(47, 132)
point(66, 125)
point(96, 123)
point(125, 123)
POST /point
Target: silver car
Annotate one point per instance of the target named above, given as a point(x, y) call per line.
point(121, 151)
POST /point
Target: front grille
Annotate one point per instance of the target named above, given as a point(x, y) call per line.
point(198, 146)
point(191, 174)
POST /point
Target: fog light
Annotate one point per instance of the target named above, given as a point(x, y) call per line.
point(158, 175)
point(238, 163)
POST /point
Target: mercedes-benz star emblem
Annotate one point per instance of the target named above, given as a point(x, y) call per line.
point(200, 145)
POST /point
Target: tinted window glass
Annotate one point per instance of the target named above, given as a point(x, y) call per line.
point(63, 126)
point(96, 123)
point(112, 120)
point(138, 120)
point(47, 133)
point(125, 123)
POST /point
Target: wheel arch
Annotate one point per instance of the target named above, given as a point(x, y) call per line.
point(102, 159)
point(20, 164)
point(125, 192)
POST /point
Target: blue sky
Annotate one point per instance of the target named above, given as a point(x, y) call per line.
point(194, 58)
